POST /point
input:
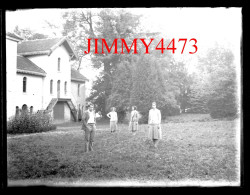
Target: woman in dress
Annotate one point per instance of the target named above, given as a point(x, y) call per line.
point(134, 117)
point(113, 119)
point(154, 125)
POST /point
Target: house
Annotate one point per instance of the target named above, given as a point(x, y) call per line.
point(41, 77)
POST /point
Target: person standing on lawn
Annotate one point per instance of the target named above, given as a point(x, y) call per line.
point(154, 125)
point(113, 119)
point(134, 117)
point(89, 127)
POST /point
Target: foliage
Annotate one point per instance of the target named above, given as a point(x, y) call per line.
point(120, 93)
point(28, 34)
point(149, 85)
point(30, 123)
point(107, 24)
point(198, 95)
point(182, 79)
point(97, 96)
point(221, 82)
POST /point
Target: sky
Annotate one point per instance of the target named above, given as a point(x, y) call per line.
point(206, 25)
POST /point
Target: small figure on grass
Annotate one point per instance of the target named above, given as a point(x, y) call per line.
point(113, 119)
point(154, 125)
point(134, 117)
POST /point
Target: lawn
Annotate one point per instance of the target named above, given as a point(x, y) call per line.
point(192, 152)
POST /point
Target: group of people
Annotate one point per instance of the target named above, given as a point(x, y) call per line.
point(154, 124)
point(133, 124)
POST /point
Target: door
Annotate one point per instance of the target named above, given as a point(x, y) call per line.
point(58, 89)
point(58, 111)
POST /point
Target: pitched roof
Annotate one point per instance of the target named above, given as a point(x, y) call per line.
point(77, 76)
point(24, 65)
point(44, 47)
point(14, 36)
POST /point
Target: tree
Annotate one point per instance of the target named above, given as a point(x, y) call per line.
point(105, 24)
point(198, 94)
point(150, 85)
point(28, 34)
point(121, 89)
point(221, 86)
point(181, 81)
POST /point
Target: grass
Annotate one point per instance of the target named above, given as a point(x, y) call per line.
point(189, 151)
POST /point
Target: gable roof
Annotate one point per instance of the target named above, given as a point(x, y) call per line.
point(13, 36)
point(77, 76)
point(24, 65)
point(44, 47)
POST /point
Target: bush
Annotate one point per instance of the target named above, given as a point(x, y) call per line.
point(221, 108)
point(197, 110)
point(30, 123)
point(170, 110)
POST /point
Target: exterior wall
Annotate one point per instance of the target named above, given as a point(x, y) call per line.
point(38, 88)
point(11, 58)
point(49, 65)
point(33, 95)
point(78, 100)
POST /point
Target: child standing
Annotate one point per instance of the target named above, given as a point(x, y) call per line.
point(113, 119)
point(134, 120)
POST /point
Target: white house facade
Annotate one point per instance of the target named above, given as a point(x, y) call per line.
point(45, 80)
point(11, 71)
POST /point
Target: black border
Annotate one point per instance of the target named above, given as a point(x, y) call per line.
point(125, 4)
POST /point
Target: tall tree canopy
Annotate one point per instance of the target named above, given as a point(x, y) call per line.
point(214, 86)
point(149, 84)
point(221, 82)
point(129, 79)
point(105, 24)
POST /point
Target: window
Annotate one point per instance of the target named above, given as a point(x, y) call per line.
point(51, 86)
point(78, 90)
point(58, 64)
point(24, 84)
point(58, 88)
point(24, 109)
point(65, 87)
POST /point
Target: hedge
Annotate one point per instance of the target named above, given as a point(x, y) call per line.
point(30, 123)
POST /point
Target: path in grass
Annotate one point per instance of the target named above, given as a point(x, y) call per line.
point(191, 150)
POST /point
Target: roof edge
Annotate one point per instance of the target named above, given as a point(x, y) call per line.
point(79, 80)
point(35, 53)
point(71, 47)
point(56, 45)
point(31, 72)
point(63, 39)
point(13, 36)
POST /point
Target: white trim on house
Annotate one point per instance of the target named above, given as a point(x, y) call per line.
point(30, 72)
point(78, 80)
point(47, 52)
point(13, 39)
